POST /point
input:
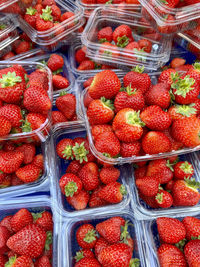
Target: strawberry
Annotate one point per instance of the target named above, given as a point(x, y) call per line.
point(6, 182)
point(86, 236)
point(55, 62)
point(74, 167)
point(145, 45)
point(70, 184)
point(66, 103)
point(168, 76)
point(66, 16)
point(43, 262)
point(8, 56)
point(127, 125)
point(129, 98)
point(22, 261)
point(148, 185)
point(195, 72)
point(130, 149)
point(33, 121)
point(169, 185)
point(64, 148)
point(3, 260)
point(12, 113)
point(86, 65)
point(134, 47)
point(88, 262)
point(105, 84)
point(38, 161)
point(109, 174)
point(60, 82)
point(105, 35)
point(99, 129)
point(80, 201)
point(28, 173)
point(48, 3)
point(181, 111)
point(185, 192)
point(20, 219)
point(80, 55)
point(100, 245)
point(192, 252)
point(168, 27)
point(95, 200)
point(100, 111)
point(23, 47)
point(122, 35)
point(170, 230)
point(84, 253)
point(187, 131)
point(183, 169)
point(15, 180)
point(30, 16)
point(44, 220)
point(105, 51)
point(6, 222)
point(57, 117)
point(38, 78)
point(177, 62)
point(155, 118)
point(150, 201)
point(171, 255)
point(113, 192)
point(140, 172)
point(137, 79)
point(44, 22)
point(29, 152)
point(192, 226)
point(81, 150)
point(5, 126)
point(56, 12)
point(170, 3)
point(28, 241)
point(4, 236)
point(156, 142)
point(89, 176)
point(196, 105)
point(116, 255)
point(10, 161)
point(175, 145)
point(164, 199)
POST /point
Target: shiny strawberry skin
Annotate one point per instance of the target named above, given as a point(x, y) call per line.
point(20, 219)
point(80, 201)
point(86, 236)
point(192, 226)
point(67, 105)
point(89, 176)
point(11, 161)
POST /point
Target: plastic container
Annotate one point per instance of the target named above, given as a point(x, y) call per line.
point(43, 132)
point(143, 212)
point(48, 38)
point(27, 55)
point(70, 245)
point(6, 3)
point(180, 19)
point(124, 58)
point(59, 166)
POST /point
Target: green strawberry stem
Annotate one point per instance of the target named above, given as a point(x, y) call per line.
point(124, 232)
point(133, 117)
point(63, 93)
point(10, 79)
point(183, 86)
point(36, 215)
point(103, 40)
point(107, 102)
point(11, 261)
point(70, 189)
point(123, 190)
point(186, 167)
point(122, 41)
point(67, 152)
point(31, 11)
point(195, 237)
point(197, 66)
point(97, 66)
point(181, 244)
point(57, 71)
point(134, 262)
point(169, 165)
point(90, 236)
point(79, 256)
point(26, 126)
point(139, 69)
point(80, 152)
point(175, 76)
point(48, 240)
point(192, 183)
point(186, 110)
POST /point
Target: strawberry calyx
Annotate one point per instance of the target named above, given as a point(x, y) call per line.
point(49, 239)
point(159, 198)
point(186, 110)
point(63, 93)
point(36, 215)
point(186, 167)
point(106, 155)
point(196, 66)
point(169, 165)
point(103, 40)
point(122, 190)
point(134, 262)
point(97, 66)
point(57, 71)
point(26, 126)
point(183, 86)
point(67, 152)
point(133, 118)
point(10, 79)
point(139, 69)
point(80, 152)
point(107, 103)
point(79, 256)
point(31, 11)
point(124, 232)
point(109, 2)
point(90, 236)
point(46, 14)
point(122, 41)
point(10, 262)
point(70, 189)
point(195, 237)
point(108, 53)
point(2, 26)
point(174, 76)
point(181, 244)
point(192, 183)
point(129, 90)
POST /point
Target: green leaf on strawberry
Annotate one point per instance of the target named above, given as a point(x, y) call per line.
point(80, 153)
point(49, 239)
point(183, 86)
point(186, 110)
point(90, 236)
point(122, 41)
point(67, 152)
point(181, 244)
point(31, 11)
point(10, 79)
point(134, 263)
point(70, 189)
point(139, 69)
point(79, 256)
point(195, 237)
point(46, 14)
point(57, 71)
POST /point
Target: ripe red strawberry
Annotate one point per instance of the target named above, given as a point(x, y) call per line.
point(105, 35)
point(192, 253)
point(66, 16)
point(100, 245)
point(181, 111)
point(116, 255)
point(127, 125)
point(84, 253)
point(86, 65)
point(171, 255)
point(56, 12)
point(100, 111)
point(109, 174)
point(10, 161)
point(80, 201)
point(21, 261)
point(89, 176)
point(187, 131)
point(33, 121)
point(43, 262)
point(55, 62)
point(105, 84)
point(99, 129)
point(38, 78)
point(29, 241)
point(23, 47)
point(145, 45)
point(81, 150)
point(64, 148)
point(5, 126)
point(129, 98)
point(8, 56)
point(137, 80)
point(150, 201)
point(108, 144)
point(88, 262)
point(80, 55)
point(29, 152)
point(44, 22)
point(156, 142)
point(175, 145)
point(169, 26)
point(134, 47)
point(122, 35)
point(105, 51)
point(28, 173)
point(6, 222)
point(192, 226)
point(140, 172)
point(95, 200)
point(12, 113)
point(185, 192)
point(66, 103)
point(177, 62)
point(70, 184)
point(182, 170)
point(74, 167)
point(148, 185)
point(6, 181)
point(130, 149)
point(44, 220)
point(195, 72)
point(57, 117)
point(170, 230)
point(158, 95)
point(168, 76)
point(164, 199)
point(48, 3)
point(30, 16)
point(20, 219)
point(60, 82)
point(155, 118)
point(86, 236)
point(15, 180)
point(4, 236)
point(38, 161)
point(112, 192)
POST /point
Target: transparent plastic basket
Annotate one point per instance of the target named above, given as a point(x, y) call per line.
point(43, 132)
point(122, 58)
point(27, 55)
point(180, 20)
point(6, 3)
point(70, 245)
point(48, 38)
point(59, 166)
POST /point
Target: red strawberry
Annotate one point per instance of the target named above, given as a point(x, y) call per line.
point(109, 174)
point(156, 142)
point(100, 245)
point(55, 62)
point(43, 262)
point(64, 148)
point(140, 172)
point(6, 222)
point(66, 103)
point(122, 35)
point(88, 262)
point(29, 152)
point(39, 78)
point(70, 185)
point(192, 226)
point(95, 200)
point(107, 53)
point(12, 113)
point(112, 192)
point(105, 35)
point(148, 185)
point(130, 149)
point(30, 16)
point(22, 47)
point(168, 27)
point(6, 182)
point(127, 125)
point(80, 55)
point(100, 111)
point(192, 253)
point(80, 201)
point(44, 22)
point(89, 176)
point(183, 169)
point(48, 3)
point(38, 161)
point(81, 150)
point(60, 82)
point(181, 111)
point(185, 192)
point(4, 236)
point(15, 180)
point(99, 129)
point(57, 117)
point(74, 167)
point(56, 12)
point(44, 220)
point(145, 45)
point(33, 121)
point(175, 145)
point(8, 56)
point(5, 126)
point(11, 161)
point(20, 219)
point(134, 47)
point(177, 62)
point(169, 185)
point(168, 76)
point(21, 261)
point(86, 65)
point(66, 16)
point(86, 236)
point(150, 201)
point(105, 84)
point(164, 199)
point(171, 255)
point(84, 253)
point(28, 173)
point(3, 260)
point(195, 72)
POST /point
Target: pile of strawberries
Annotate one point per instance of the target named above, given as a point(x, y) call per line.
point(26, 239)
point(109, 243)
point(180, 244)
point(138, 117)
point(85, 182)
point(24, 101)
point(164, 183)
point(19, 163)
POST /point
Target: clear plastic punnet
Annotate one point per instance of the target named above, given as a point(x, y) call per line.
point(125, 58)
point(6, 3)
point(73, 130)
point(168, 20)
point(70, 245)
point(51, 38)
point(27, 55)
